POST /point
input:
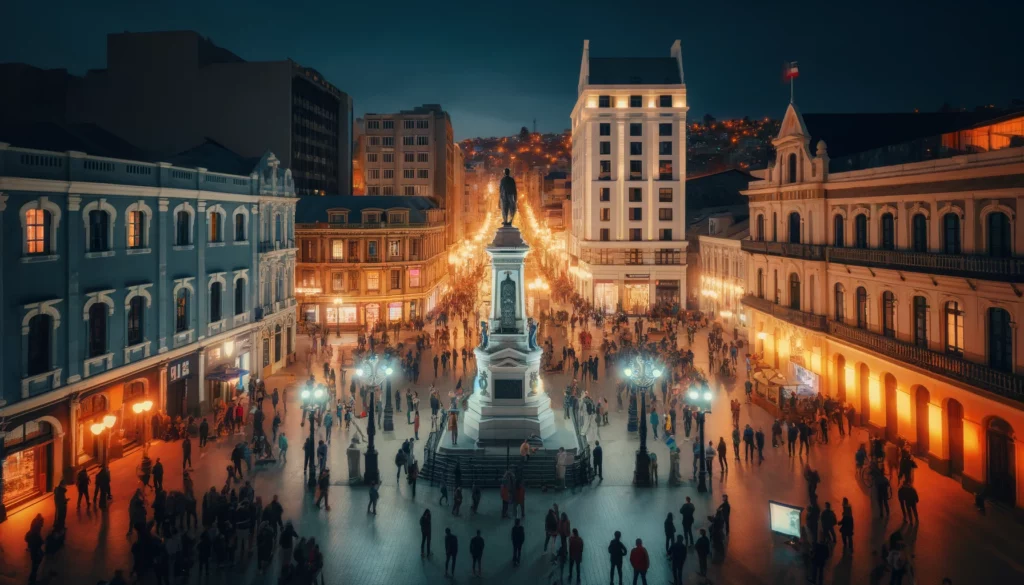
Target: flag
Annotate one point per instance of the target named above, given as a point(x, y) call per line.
point(790, 70)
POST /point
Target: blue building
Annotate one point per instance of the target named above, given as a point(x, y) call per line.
point(127, 284)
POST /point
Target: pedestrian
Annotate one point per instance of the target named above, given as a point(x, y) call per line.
point(687, 512)
point(444, 495)
point(60, 503)
point(321, 454)
point(759, 441)
point(597, 456)
point(457, 501)
point(813, 479)
point(703, 548)
point(722, 451)
point(416, 425)
point(323, 483)
point(34, 541)
point(828, 524)
point(670, 532)
point(476, 552)
point(564, 530)
point(640, 561)
point(451, 548)
point(158, 475)
point(883, 493)
point(518, 538)
point(282, 447)
point(735, 444)
point(401, 459)
point(371, 507)
point(812, 518)
point(186, 453)
point(575, 554)
point(748, 443)
point(453, 424)
point(654, 423)
point(725, 509)
point(846, 526)
point(791, 436)
point(425, 533)
point(908, 502)
point(475, 495)
point(819, 558)
point(82, 484)
point(616, 551)
point(677, 555)
point(550, 527)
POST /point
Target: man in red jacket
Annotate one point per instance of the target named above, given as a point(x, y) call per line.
point(640, 560)
point(575, 554)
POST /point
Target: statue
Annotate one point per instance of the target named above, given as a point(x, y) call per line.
point(507, 190)
point(483, 334)
point(533, 333)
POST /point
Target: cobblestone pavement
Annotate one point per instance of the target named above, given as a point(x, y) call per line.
point(952, 540)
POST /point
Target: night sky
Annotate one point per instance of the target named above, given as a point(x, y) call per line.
point(495, 66)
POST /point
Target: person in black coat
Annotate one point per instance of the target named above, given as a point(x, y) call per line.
point(425, 532)
point(598, 455)
point(677, 553)
point(616, 550)
point(703, 548)
point(476, 552)
point(451, 550)
point(518, 538)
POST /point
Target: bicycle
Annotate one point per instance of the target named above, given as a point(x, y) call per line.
point(866, 477)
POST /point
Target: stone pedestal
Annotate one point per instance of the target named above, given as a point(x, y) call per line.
point(354, 454)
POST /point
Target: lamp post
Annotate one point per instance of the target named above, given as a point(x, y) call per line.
point(702, 398)
point(374, 373)
point(642, 375)
point(140, 408)
point(312, 398)
point(103, 428)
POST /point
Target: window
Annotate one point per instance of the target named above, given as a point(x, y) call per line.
point(636, 101)
point(665, 148)
point(665, 234)
point(389, 173)
point(40, 330)
point(888, 232)
point(792, 168)
point(636, 213)
point(604, 129)
point(414, 247)
point(794, 228)
point(371, 157)
point(794, 291)
point(183, 236)
point(136, 315)
point(860, 231)
point(409, 124)
point(422, 124)
point(374, 140)
point(136, 229)
point(604, 101)
point(999, 238)
point(605, 174)
point(919, 233)
point(664, 129)
point(921, 322)
point(215, 302)
point(396, 279)
point(664, 101)
point(409, 157)
point(239, 296)
point(239, 227)
point(636, 129)
point(422, 141)
point(408, 189)
point(636, 195)
point(37, 232)
point(422, 157)
point(387, 140)
point(373, 124)
point(387, 190)
point(337, 249)
point(408, 173)
point(862, 307)
point(388, 157)
point(775, 227)
point(954, 328)
point(635, 234)
point(665, 195)
point(839, 231)
point(373, 174)
point(665, 170)
point(308, 278)
point(605, 234)
point(216, 227)
point(951, 233)
point(759, 234)
point(606, 194)
point(840, 303)
point(353, 251)
point(97, 330)
point(422, 173)
point(414, 277)
point(408, 141)
point(635, 170)
point(372, 281)
point(99, 223)
point(181, 312)
point(353, 281)
point(1000, 338)
point(636, 149)
point(665, 213)
point(606, 214)
point(394, 248)
point(888, 314)
point(371, 250)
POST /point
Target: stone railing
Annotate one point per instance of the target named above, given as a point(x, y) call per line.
point(985, 267)
point(802, 251)
point(788, 314)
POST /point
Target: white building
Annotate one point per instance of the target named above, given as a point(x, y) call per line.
point(723, 267)
point(627, 243)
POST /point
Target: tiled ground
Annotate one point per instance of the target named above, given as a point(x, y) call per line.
point(953, 540)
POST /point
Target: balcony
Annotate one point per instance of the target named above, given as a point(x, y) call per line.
point(981, 267)
point(270, 246)
point(787, 314)
point(789, 250)
point(1003, 383)
point(614, 257)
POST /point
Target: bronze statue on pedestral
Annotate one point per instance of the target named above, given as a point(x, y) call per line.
point(508, 197)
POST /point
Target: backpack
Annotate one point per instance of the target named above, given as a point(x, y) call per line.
point(400, 457)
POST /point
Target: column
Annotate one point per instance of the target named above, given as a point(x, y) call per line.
point(163, 292)
point(202, 288)
point(74, 248)
point(254, 273)
point(202, 380)
point(73, 404)
point(970, 226)
point(162, 396)
point(934, 225)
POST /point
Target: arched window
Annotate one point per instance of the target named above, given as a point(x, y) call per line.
point(862, 307)
point(99, 226)
point(999, 237)
point(279, 287)
point(840, 302)
point(40, 331)
point(239, 227)
point(136, 229)
point(760, 228)
point(183, 229)
point(860, 231)
point(839, 231)
point(760, 283)
point(921, 322)
point(888, 227)
point(791, 168)
point(239, 296)
point(1000, 340)
point(888, 314)
point(954, 328)
point(136, 316)
point(215, 291)
point(919, 233)
point(216, 226)
point(97, 329)
point(794, 291)
point(181, 311)
point(951, 233)
point(794, 228)
point(37, 231)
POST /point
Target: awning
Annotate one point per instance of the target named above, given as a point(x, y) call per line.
point(226, 374)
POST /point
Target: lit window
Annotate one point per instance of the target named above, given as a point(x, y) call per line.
point(136, 229)
point(37, 231)
point(414, 277)
point(373, 281)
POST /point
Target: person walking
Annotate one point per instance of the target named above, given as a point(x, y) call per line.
point(518, 538)
point(457, 500)
point(204, 432)
point(828, 524)
point(725, 510)
point(908, 502)
point(677, 555)
point(846, 527)
point(759, 442)
point(654, 422)
point(82, 482)
point(158, 475)
point(640, 561)
point(748, 443)
point(282, 447)
point(687, 512)
point(670, 532)
point(425, 533)
point(883, 493)
point(616, 551)
point(703, 548)
point(371, 507)
point(323, 483)
point(550, 527)
point(598, 458)
point(36, 544)
point(451, 549)
point(476, 552)
point(791, 435)
point(101, 492)
point(564, 530)
point(735, 444)
point(186, 453)
point(575, 554)
point(60, 504)
point(722, 451)
point(416, 425)
point(321, 454)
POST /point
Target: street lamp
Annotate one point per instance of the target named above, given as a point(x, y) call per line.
point(139, 408)
point(642, 375)
point(374, 373)
point(701, 397)
point(103, 428)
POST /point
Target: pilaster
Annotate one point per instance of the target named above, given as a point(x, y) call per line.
point(72, 241)
point(202, 289)
point(164, 302)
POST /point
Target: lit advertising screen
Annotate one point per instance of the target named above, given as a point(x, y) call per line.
point(785, 519)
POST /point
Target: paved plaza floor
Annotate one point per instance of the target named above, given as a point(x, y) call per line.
point(953, 539)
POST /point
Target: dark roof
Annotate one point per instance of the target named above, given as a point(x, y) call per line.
point(716, 190)
point(57, 137)
point(314, 209)
point(634, 71)
point(215, 158)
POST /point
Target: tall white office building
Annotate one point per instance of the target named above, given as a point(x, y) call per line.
point(627, 243)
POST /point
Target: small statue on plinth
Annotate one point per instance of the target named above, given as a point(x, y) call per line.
point(533, 333)
point(508, 197)
point(354, 473)
point(483, 334)
point(674, 477)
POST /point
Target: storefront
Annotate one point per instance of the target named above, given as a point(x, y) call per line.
point(606, 296)
point(372, 315)
point(183, 386)
point(395, 311)
point(310, 312)
point(91, 410)
point(227, 370)
point(637, 294)
point(342, 315)
point(666, 292)
point(31, 457)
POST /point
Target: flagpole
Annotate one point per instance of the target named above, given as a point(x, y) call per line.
point(791, 89)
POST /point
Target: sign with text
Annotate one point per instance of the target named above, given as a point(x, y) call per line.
point(508, 389)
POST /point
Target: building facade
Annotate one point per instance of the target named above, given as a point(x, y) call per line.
point(627, 245)
point(722, 269)
point(364, 260)
point(128, 282)
point(896, 287)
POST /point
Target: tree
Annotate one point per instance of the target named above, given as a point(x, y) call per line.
point(524, 134)
point(709, 119)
